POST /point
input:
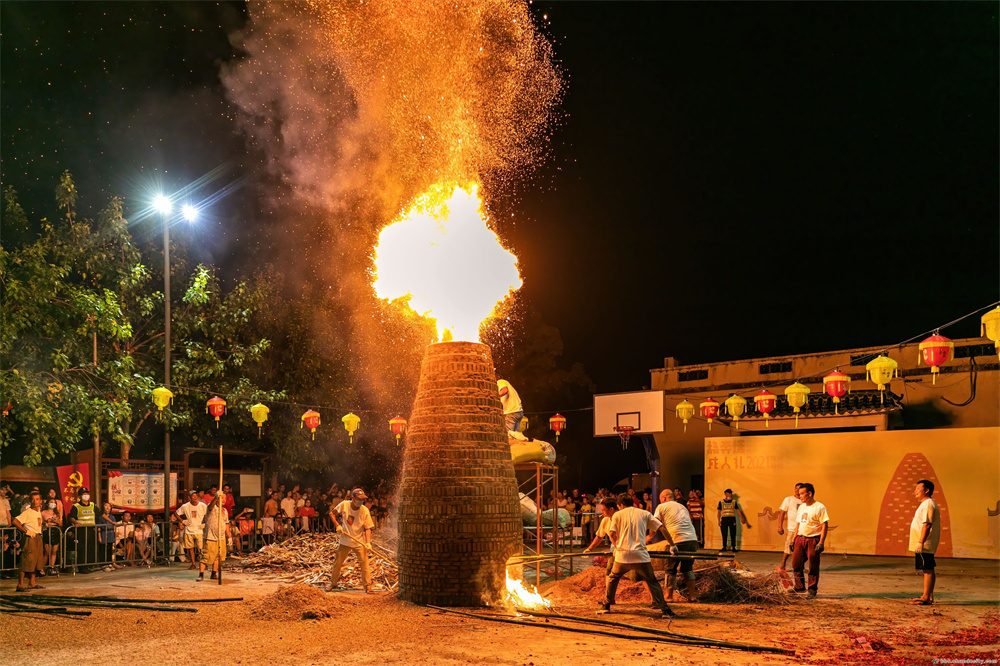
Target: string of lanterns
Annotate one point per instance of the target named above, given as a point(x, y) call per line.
point(934, 351)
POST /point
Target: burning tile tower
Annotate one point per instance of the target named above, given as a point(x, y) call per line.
point(459, 520)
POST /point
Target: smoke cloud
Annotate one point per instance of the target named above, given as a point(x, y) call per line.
point(357, 109)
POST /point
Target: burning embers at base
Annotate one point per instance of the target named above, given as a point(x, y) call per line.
point(519, 596)
point(443, 259)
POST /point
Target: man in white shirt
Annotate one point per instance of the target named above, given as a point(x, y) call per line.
point(32, 557)
point(682, 537)
point(628, 531)
point(354, 522)
point(214, 552)
point(789, 510)
point(925, 533)
point(812, 522)
point(513, 411)
point(192, 514)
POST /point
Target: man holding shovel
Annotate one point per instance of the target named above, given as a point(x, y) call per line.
point(354, 522)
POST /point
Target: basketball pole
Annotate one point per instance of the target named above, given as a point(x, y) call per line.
point(653, 460)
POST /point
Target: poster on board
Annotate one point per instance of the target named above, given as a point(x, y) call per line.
point(140, 491)
point(866, 481)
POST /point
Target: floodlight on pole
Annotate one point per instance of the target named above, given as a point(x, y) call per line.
point(189, 212)
point(162, 204)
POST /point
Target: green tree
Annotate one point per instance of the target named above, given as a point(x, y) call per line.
point(82, 336)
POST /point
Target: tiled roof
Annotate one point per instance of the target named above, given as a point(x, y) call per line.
point(820, 404)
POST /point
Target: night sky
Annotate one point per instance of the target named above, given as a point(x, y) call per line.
point(726, 180)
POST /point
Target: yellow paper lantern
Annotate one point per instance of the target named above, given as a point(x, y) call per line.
point(162, 397)
point(351, 422)
point(685, 410)
point(991, 327)
point(881, 371)
point(736, 405)
point(259, 414)
point(797, 395)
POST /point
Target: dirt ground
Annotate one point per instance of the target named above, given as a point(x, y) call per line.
point(860, 597)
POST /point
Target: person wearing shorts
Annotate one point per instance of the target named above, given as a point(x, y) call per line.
point(214, 553)
point(193, 515)
point(33, 554)
point(788, 513)
point(925, 532)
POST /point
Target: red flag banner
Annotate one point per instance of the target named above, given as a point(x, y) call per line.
point(71, 479)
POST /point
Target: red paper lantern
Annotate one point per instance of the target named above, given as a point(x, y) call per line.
point(765, 402)
point(398, 427)
point(934, 351)
point(709, 410)
point(836, 384)
point(310, 420)
point(216, 407)
point(557, 424)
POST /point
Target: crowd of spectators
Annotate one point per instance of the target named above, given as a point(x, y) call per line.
point(102, 536)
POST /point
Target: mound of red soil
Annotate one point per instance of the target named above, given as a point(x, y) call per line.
point(295, 602)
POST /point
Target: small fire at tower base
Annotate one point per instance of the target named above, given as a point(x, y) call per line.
point(459, 520)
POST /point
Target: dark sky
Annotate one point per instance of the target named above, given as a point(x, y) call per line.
point(729, 180)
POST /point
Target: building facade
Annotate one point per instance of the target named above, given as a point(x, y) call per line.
point(966, 394)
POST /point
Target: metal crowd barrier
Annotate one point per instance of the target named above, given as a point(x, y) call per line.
point(12, 541)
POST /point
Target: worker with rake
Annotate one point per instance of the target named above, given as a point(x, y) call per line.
point(628, 531)
point(354, 522)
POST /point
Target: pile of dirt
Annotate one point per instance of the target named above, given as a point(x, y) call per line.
point(589, 586)
point(722, 582)
point(295, 602)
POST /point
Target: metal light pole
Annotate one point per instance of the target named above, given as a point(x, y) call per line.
point(190, 214)
point(163, 205)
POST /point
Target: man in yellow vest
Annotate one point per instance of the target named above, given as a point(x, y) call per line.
point(727, 510)
point(83, 515)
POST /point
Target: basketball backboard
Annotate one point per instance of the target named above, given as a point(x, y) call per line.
point(640, 410)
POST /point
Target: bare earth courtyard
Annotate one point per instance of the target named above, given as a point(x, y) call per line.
point(860, 598)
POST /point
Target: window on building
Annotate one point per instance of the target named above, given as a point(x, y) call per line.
point(692, 375)
point(988, 349)
point(775, 368)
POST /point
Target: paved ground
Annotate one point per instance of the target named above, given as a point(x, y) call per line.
point(858, 596)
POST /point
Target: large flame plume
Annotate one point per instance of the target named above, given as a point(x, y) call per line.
point(442, 258)
point(520, 596)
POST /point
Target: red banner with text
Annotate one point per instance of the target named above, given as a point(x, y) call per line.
point(71, 479)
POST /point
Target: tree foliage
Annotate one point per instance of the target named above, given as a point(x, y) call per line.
point(81, 287)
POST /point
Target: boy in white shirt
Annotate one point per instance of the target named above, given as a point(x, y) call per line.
point(811, 527)
point(33, 556)
point(925, 533)
point(789, 509)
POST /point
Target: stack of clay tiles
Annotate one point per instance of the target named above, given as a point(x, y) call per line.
point(459, 519)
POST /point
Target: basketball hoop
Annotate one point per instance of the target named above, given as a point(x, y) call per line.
point(624, 432)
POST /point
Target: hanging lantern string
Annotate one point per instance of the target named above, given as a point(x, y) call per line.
point(681, 396)
point(307, 405)
point(673, 396)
